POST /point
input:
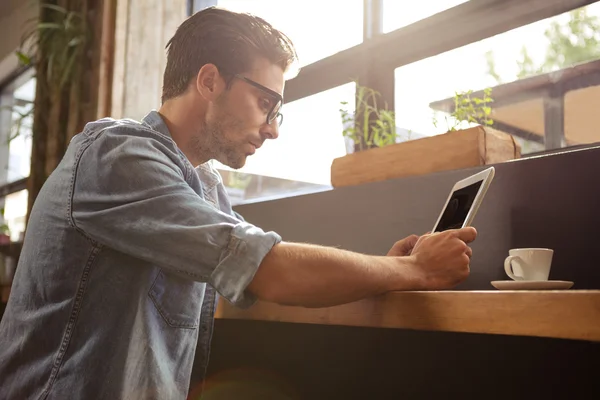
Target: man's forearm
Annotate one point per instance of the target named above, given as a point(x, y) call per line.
point(315, 276)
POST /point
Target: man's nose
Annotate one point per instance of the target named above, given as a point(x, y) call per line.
point(270, 131)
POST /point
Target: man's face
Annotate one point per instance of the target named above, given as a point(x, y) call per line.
point(236, 123)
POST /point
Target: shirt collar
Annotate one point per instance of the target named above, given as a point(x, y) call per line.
point(209, 176)
point(155, 121)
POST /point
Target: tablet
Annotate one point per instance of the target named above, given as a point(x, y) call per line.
point(464, 200)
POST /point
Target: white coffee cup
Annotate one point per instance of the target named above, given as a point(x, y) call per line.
point(528, 264)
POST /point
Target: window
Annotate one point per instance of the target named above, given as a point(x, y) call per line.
point(15, 130)
point(15, 214)
point(16, 119)
point(317, 28)
point(397, 14)
point(309, 139)
point(519, 66)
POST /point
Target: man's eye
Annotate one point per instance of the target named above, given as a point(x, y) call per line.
point(265, 104)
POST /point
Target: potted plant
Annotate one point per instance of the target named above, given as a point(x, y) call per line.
point(379, 156)
point(370, 125)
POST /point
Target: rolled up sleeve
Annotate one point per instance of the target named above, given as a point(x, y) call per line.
point(248, 246)
point(130, 194)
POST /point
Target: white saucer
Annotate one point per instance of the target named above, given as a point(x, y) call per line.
point(531, 285)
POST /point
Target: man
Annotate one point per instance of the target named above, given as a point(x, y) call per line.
point(132, 231)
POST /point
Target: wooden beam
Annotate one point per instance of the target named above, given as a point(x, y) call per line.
point(119, 92)
point(143, 28)
point(107, 58)
point(567, 314)
point(13, 187)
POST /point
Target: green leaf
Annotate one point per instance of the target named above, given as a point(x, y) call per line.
point(23, 58)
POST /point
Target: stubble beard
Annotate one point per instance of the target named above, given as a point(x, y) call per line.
point(210, 143)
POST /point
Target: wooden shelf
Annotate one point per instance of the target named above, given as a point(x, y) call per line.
point(566, 314)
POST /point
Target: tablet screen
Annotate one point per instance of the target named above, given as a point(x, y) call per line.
point(458, 207)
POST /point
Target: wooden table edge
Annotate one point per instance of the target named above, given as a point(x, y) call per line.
point(563, 314)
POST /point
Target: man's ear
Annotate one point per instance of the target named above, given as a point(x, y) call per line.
point(209, 82)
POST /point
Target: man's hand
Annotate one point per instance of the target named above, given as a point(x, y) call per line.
point(441, 260)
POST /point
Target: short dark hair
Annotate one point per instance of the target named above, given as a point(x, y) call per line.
point(230, 40)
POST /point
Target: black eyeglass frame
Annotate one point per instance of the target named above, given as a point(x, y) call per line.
point(272, 114)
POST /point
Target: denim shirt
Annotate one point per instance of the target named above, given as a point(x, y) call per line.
point(113, 290)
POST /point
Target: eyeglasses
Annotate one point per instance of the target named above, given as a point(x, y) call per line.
point(274, 113)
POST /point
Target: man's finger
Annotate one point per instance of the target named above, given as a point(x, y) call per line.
point(412, 240)
point(469, 252)
point(466, 234)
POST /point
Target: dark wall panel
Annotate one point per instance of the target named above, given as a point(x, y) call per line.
point(551, 201)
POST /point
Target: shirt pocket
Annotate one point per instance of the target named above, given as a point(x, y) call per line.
point(177, 300)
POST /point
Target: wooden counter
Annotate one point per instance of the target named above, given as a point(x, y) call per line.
point(567, 314)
